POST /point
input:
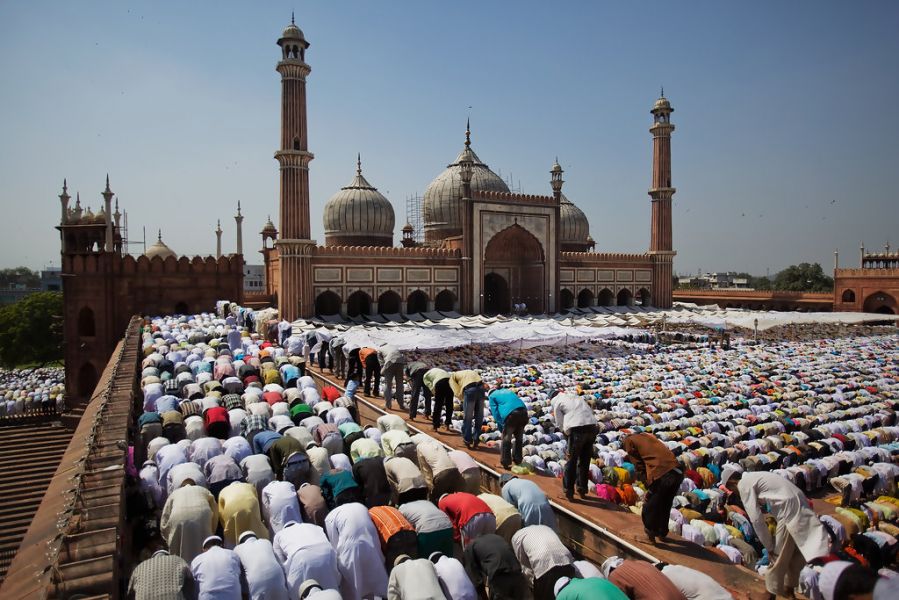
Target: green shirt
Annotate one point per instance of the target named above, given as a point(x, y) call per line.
point(592, 588)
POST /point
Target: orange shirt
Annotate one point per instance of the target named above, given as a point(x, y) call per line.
point(365, 353)
point(388, 521)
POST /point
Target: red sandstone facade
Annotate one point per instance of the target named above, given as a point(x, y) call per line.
point(103, 288)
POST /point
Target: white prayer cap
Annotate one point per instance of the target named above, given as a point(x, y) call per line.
point(210, 540)
point(560, 583)
point(611, 564)
point(728, 471)
point(830, 574)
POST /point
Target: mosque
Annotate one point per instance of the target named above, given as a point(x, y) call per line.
point(485, 249)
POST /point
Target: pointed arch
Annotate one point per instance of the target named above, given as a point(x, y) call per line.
point(389, 302)
point(606, 297)
point(625, 298)
point(358, 303)
point(417, 302)
point(87, 326)
point(585, 298)
point(327, 303)
point(848, 296)
point(445, 301)
point(566, 299)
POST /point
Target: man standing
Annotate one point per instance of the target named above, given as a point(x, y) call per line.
point(575, 418)
point(800, 537)
point(392, 363)
point(657, 466)
point(369, 359)
point(336, 347)
point(468, 387)
point(415, 371)
point(438, 382)
point(511, 415)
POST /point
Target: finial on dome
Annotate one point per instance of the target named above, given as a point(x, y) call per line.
point(218, 224)
point(107, 184)
point(468, 132)
point(663, 91)
point(291, 18)
point(238, 209)
point(159, 236)
point(117, 204)
point(65, 187)
point(78, 199)
point(358, 163)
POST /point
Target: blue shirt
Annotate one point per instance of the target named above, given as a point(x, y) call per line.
point(530, 501)
point(263, 440)
point(503, 402)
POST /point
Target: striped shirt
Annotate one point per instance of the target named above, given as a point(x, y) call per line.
point(388, 521)
point(642, 581)
point(539, 549)
point(252, 424)
point(162, 576)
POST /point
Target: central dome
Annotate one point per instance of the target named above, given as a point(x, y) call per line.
point(358, 215)
point(442, 202)
point(159, 249)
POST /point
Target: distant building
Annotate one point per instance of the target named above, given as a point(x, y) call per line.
point(51, 279)
point(254, 279)
point(715, 281)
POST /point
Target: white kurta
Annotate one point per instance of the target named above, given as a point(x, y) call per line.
point(280, 505)
point(306, 553)
point(789, 507)
point(359, 556)
point(264, 574)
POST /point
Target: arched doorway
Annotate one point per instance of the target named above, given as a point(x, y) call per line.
point(418, 302)
point(86, 325)
point(87, 380)
point(516, 261)
point(606, 297)
point(445, 300)
point(496, 295)
point(327, 303)
point(359, 303)
point(566, 299)
point(848, 296)
point(644, 297)
point(389, 302)
point(880, 302)
point(585, 298)
point(625, 298)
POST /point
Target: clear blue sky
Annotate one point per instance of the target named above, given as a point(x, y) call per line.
point(787, 115)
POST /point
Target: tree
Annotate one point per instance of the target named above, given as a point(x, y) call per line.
point(31, 330)
point(19, 276)
point(803, 277)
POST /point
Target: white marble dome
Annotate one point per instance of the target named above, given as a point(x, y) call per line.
point(358, 215)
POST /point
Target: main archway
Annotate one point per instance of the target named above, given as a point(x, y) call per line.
point(514, 272)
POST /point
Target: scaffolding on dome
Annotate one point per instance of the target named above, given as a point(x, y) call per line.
point(414, 216)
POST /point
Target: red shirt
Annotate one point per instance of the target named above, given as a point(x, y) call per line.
point(272, 398)
point(216, 414)
point(330, 393)
point(460, 508)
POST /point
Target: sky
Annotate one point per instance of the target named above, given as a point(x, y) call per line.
point(787, 116)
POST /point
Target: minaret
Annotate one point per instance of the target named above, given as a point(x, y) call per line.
point(238, 218)
point(660, 244)
point(218, 239)
point(556, 181)
point(294, 246)
point(64, 203)
point(107, 198)
point(467, 303)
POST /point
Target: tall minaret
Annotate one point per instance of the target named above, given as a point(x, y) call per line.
point(107, 199)
point(660, 243)
point(238, 219)
point(294, 246)
point(218, 239)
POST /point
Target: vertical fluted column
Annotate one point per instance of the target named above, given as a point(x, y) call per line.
point(661, 243)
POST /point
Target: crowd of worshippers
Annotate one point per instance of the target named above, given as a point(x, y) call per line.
point(253, 395)
point(31, 391)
